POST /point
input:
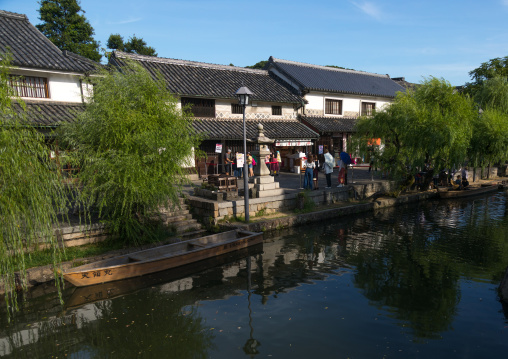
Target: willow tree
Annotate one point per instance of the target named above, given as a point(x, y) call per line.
point(31, 194)
point(489, 144)
point(131, 142)
point(430, 124)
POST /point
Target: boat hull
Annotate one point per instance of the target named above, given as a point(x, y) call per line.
point(161, 258)
point(446, 193)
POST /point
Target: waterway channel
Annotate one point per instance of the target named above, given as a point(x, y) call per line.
point(417, 281)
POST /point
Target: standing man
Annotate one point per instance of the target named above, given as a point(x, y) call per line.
point(328, 167)
point(227, 162)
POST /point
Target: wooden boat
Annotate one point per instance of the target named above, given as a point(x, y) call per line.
point(449, 192)
point(94, 293)
point(161, 258)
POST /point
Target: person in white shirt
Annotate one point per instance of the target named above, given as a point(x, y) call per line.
point(328, 167)
point(309, 169)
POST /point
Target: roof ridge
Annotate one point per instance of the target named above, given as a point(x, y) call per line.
point(328, 68)
point(187, 62)
point(13, 15)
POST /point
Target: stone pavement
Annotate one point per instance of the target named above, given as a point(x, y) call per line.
point(294, 182)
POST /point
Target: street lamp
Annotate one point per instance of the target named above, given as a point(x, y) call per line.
point(243, 95)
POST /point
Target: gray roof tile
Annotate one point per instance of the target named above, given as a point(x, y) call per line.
point(49, 114)
point(232, 129)
point(30, 48)
point(329, 124)
point(323, 78)
point(189, 78)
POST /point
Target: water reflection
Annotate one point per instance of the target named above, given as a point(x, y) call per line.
point(408, 263)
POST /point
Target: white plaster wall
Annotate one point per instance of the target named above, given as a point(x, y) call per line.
point(350, 104)
point(62, 87)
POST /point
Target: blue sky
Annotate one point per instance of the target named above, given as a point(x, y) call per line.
point(411, 39)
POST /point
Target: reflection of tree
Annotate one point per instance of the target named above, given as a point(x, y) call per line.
point(148, 324)
point(151, 323)
point(420, 285)
point(415, 267)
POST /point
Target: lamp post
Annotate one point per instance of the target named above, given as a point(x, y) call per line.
point(243, 95)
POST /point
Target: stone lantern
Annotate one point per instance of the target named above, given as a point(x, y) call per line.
point(262, 141)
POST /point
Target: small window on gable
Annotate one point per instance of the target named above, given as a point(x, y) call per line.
point(29, 86)
point(333, 107)
point(236, 108)
point(276, 110)
point(368, 108)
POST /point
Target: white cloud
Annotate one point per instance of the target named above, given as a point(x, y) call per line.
point(371, 9)
point(127, 21)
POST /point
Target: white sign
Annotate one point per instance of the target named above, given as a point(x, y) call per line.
point(293, 143)
point(218, 148)
point(239, 160)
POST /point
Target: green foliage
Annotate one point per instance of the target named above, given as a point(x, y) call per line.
point(135, 45)
point(63, 24)
point(430, 124)
point(131, 143)
point(31, 193)
point(493, 94)
point(497, 67)
point(259, 65)
point(489, 144)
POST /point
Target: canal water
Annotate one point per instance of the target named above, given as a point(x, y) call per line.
point(418, 281)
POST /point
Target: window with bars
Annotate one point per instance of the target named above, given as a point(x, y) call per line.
point(29, 86)
point(236, 108)
point(333, 107)
point(276, 110)
point(200, 107)
point(368, 108)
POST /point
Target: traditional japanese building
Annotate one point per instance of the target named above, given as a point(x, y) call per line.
point(49, 81)
point(334, 97)
point(210, 91)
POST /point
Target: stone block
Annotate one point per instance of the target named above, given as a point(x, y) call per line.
point(270, 193)
point(264, 179)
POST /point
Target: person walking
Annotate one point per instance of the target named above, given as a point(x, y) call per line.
point(309, 170)
point(328, 167)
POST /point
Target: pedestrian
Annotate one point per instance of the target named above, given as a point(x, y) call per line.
point(315, 173)
point(328, 167)
point(309, 169)
point(342, 172)
point(250, 164)
point(227, 162)
point(278, 160)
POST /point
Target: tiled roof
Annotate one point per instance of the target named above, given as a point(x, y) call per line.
point(188, 78)
point(30, 48)
point(329, 124)
point(49, 114)
point(231, 129)
point(323, 78)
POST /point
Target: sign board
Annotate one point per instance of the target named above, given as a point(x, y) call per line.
point(218, 148)
point(320, 149)
point(293, 143)
point(239, 160)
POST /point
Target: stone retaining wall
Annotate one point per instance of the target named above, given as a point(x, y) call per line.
point(211, 212)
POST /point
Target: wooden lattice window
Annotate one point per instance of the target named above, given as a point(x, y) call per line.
point(29, 86)
point(333, 107)
point(236, 108)
point(368, 108)
point(276, 110)
point(200, 107)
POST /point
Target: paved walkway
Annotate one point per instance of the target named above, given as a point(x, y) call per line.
point(293, 181)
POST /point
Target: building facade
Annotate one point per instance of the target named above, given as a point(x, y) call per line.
point(334, 98)
point(209, 90)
